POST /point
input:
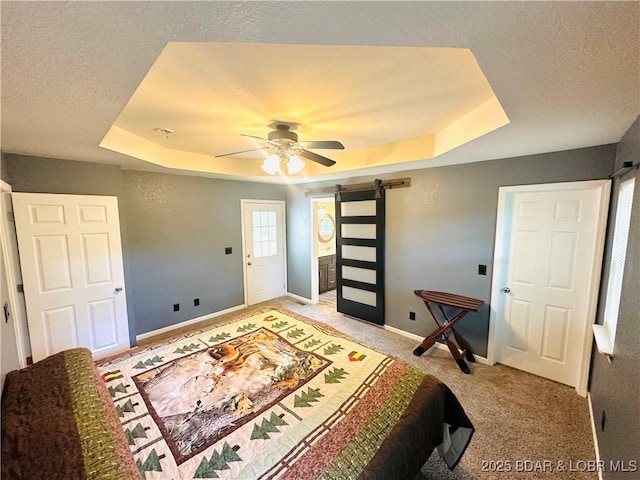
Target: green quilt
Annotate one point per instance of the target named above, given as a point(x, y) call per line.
point(276, 395)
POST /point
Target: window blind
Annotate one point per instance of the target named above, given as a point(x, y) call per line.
point(618, 256)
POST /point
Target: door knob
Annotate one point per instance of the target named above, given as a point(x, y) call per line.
point(506, 289)
point(118, 289)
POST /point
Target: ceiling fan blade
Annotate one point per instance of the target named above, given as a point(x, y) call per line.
point(253, 136)
point(332, 144)
point(241, 151)
point(314, 157)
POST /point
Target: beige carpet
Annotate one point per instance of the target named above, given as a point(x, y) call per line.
point(526, 427)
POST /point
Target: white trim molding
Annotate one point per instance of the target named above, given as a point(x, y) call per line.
point(186, 323)
point(11, 259)
point(595, 435)
point(304, 300)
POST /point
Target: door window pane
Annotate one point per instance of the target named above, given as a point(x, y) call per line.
point(265, 242)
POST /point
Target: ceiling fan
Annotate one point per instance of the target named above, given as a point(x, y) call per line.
point(288, 150)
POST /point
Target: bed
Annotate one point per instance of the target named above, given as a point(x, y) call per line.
point(277, 395)
point(59, 423)
point(274, 395)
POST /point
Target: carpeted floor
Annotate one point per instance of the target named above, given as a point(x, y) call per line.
point(527, 427)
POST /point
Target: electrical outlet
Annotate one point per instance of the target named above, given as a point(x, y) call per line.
point(412, 315)
point(176, 307)
point(227, 250)
point(482, 269)
point(196, 302)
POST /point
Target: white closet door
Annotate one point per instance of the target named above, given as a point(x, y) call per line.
point(71, 258)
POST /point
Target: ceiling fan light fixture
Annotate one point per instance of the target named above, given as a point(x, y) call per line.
point(271, 164)
point(295, 164)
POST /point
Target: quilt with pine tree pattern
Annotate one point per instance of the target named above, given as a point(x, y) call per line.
point(278, 395)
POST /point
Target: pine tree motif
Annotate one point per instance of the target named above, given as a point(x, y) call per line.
point(229, 454)
point(148, 362)
point(120, 388)
point(138, 432)
point(335, 376)
point(204, 470)
point(218, 461)
point(186, 348)
point(219, 337)
point(152, 463)
point(246, 328)
point(311, 343)
point(281, 324)
point(333, 349)
point(295, 333)
point(305, 399)
point(268, 426)
point(127, 407)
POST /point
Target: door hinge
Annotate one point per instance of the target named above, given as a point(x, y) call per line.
point(10, 217)
point(20, 288)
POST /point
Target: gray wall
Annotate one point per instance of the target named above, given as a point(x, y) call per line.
point(178, 229)
point(443, 226)
point(614, 386)
point(45, 175)
point(174, 229)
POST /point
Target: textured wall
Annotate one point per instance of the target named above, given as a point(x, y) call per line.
point(44, 175)
point(614, 386)
point(443, 226)
point(174, 229)
point(178, 229)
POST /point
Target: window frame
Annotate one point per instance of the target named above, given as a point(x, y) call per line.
point(605, 334)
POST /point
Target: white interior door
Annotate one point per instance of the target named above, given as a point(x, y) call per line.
point(71, 259)
point(263, 250)
point(546, 277)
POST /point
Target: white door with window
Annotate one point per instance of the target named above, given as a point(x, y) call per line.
point(549, 245)
point(71, 258)
point(263, 250)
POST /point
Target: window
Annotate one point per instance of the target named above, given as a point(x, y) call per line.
point(606, 334)
point(264, 234)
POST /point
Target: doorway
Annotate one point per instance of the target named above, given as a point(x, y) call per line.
point(546, 276)
point(263, 250)
point(10, 358)
point(15, 297)
point(323, 250)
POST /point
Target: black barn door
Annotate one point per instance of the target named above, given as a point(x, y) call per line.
point(360, 254)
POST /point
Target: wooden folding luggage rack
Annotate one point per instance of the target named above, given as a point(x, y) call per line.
point(464, 305)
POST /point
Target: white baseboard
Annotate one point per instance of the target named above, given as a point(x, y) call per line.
point(186, 323)
point(304, 300)
point(419, 339)
point(595, 435)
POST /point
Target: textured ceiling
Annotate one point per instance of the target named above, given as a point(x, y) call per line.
point(198, 100)
point(566, 74)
